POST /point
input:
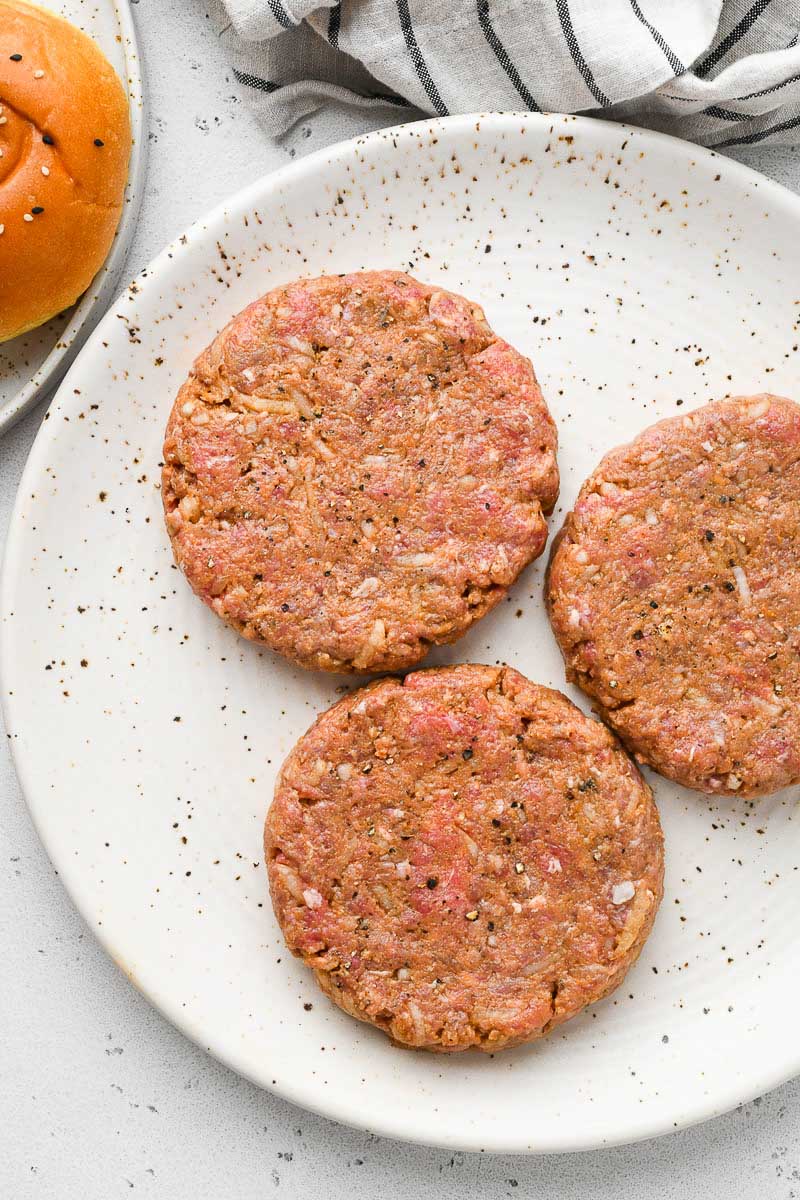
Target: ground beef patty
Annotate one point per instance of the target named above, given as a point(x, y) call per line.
point(356, 468)
point(674, 592)
point(463, 858)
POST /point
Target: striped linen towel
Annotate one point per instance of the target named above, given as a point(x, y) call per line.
point(721, 72)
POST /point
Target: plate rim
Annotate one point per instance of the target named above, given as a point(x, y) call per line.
point(102, 290)
point(331, 1105)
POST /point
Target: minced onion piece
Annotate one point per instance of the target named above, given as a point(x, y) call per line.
point(743, 585)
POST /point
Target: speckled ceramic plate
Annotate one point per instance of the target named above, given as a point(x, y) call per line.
point(641, 275)
point(32, 365)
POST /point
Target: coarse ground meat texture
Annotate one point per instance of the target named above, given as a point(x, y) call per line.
point(463, 858)
point(674, 593)
point(357, 468)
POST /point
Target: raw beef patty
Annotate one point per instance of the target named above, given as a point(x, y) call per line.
point(674, 592)
point(357, 468)
point(463, 858)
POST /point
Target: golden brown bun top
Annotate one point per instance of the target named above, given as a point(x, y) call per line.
point(65, 141)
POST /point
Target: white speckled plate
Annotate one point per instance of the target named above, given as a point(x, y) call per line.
point(640, 274)
point(32, 365)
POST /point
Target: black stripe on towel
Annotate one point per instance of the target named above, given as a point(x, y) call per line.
point(727, 114)
point(416, 56)
point(659, 40)
point(751, 138)
point(776, 87)
point(577, 55)
point(736, 34)
point(334, 25)
point(502, 55)
point(255, 81)
point(390, 98)
point(280, 14)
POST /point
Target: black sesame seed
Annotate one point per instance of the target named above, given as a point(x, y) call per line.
point(709, 535)
point(654, 604)
point(37, 208)
point(48, 141)
point(729, 587)
point(284, 608)
point(16, 58)
point(496, 823)
point(490, 926)
point(99, 142)
point(432, 882)
point(468, 753)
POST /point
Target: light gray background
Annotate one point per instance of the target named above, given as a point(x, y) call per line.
point(99, 1096)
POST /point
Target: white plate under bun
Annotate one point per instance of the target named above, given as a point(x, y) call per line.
point(644, 277)
point(31, 365)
